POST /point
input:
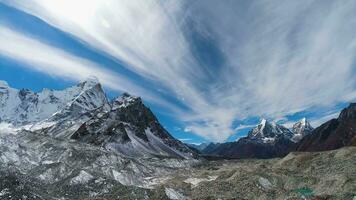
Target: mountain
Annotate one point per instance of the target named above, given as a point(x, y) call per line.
point(266, 140)
point(301, 129)
point(75, 143)
point(24, 107)
point(333, 134)
point(267, 132)
point(83, 113)
point(198, 147)
point(131, 129)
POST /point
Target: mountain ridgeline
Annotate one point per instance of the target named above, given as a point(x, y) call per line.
point(266, 140)
point(333, 134)
point(269, 140)
point(83, 113)
point(126, 126)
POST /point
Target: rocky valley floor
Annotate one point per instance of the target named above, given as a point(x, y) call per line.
point(321, 175)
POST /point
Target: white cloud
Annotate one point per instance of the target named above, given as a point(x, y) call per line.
point(58, 63)
point(319, 121)
point(279, 57)
point(243, 126)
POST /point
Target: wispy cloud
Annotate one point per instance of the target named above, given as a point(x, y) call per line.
point(242, 127)
point(259, 58)
point(319, 121)
point(56, 62)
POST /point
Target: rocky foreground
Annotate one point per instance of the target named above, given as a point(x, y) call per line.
point(322, 175)
point(319, 175)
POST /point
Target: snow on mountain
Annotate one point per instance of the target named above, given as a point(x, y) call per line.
point(66, 162)
point(89, 100)
point(301, 129)
point(132, 129)
point(82, 112)
point(123, 101)
point(76, 137)
point(267, 132)
point(266, 140)
point(24, 107)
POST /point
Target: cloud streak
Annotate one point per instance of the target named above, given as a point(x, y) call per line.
point(58, 63)
point(222, 61)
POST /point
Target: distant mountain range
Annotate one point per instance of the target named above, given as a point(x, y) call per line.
point(266, 140)
point(269, 140)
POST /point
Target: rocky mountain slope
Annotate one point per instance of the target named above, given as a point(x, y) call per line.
point(266, 140)
point(131, 129)
point(36, 166)
point(333, 134)
point(301, 129)
point(83, 113)
point(24, 107)
point(75, 144)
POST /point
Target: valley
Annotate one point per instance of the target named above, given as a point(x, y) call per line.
point(77, 144)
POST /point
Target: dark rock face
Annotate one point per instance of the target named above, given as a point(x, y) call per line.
point(333, 134)
point(131, 128)
point(247, 148)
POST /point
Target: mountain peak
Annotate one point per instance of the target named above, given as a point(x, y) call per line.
point(267, 132)
point(89, 82)
point(125, 100)
point(301, 129)
point(304, 120)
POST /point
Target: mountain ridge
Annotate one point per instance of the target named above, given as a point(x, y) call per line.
point(66, 114)
point(266, 140)
point(332, 134)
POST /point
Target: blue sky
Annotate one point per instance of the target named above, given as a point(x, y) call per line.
point(209, 70)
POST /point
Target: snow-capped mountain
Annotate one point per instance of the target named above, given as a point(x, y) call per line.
point(301, 129)
point(24, 107)
point(90, 99)
point(266, 140)
point(267, 132)
point(82, 112)
point(76, 138)
point(131, 129)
